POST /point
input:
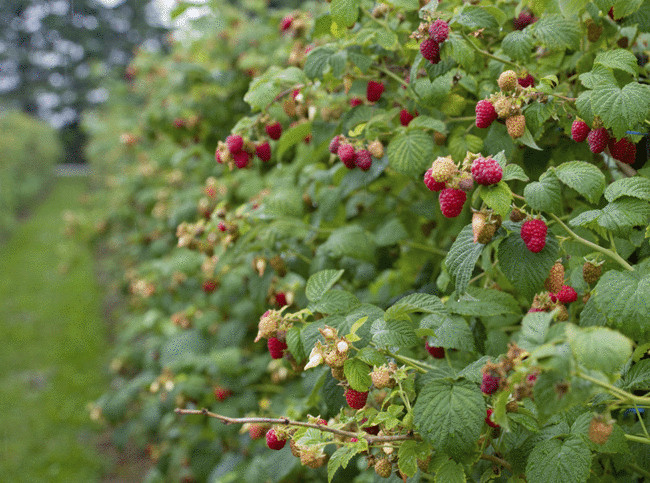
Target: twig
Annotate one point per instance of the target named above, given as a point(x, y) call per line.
point(497, 460)
point(488, 54)
point(626, 169)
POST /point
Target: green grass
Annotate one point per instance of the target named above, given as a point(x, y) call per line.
point(53, 348)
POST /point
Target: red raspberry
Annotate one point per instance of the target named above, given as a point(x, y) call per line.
point(321, 421)
point(274, 130)
point(436, 352)
point(356, 399)
point(347, 154)
point(281, 299)
point(566, 295)
point(439, 31)
point(452, 201)
point(490, 384)
point(486, 171)
point(263, 151)
point(222, 393)
point(217, 156)
point(374, 91)
point(286, 22)
point(523, 21)
point(241, 159)
point(276, 347)
point(431, 183)
point(273, 442)
point(579, 130)
point(256, 431)
point(355, 101)
point(209, 286)
point(295, 93)
point(374, 430)
point(221, 226)
point(430, 50)
point(528, 81)
point(485, 114)
point(624, 150)
point(532, 377)
point(598, 139)
point(406, 117)
point(363, 159)
point(533, 233)
point(353, 440)
point(488, 420)
point(235, 143)
point(334, 144)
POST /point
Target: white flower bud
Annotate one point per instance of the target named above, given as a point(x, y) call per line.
point(342, 347)
point(315, 359)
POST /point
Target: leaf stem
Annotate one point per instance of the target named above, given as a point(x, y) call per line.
point(488, 54)
point(426, 248)
point(420, 366)
point(391, 74)
point(497, 460)
point(638, 469)
point(616, 391)
point(637, 439)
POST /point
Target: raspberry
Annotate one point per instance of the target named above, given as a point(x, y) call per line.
point(431, 183)
point(363, 159)
point(221, 226)
point(523, 21)
point(217, 156)
point(376, 148)
point(285, 23)
point(528, 81)
point(383, 468)
point(485, 114)
point(579, 130)
point(599, 431)
point(439, 31)
point(356, 399)
point(624, 150)
point(436, 352)
point(555, 279)
point(567, 294)
point(347, 154)
point(533, 233)
point(276, 347)
point(312, 458)
point(443, 169)
point(591, 273)
point(374, 91)
point(451, 202)
point(507, 80)
point(406, 117)
point(263, 151)
point(209, 286)
point(373, 430)
point(256, 431)
point(281, 299)
point(221, 393)
point(517, 215)
point(430, 50)
point(273, 442)
point(235, 143)
point(516, 126)
point(241, 159)
point(380, 378)
point(334, 144)
point(482, 231)
point(598, 139)
point(489, 384)
point(355, 101)
point(488, 420)
point(486, 171)
point(465, 181)
point(274, 130)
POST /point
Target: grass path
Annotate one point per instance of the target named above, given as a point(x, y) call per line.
point(53, 348)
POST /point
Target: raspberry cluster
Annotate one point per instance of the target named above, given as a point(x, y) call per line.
point(353, 158)
point(430, 47)
point(495, 376)
point(599, 139)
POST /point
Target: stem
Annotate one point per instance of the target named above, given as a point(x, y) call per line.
point(615, 390)
point(497, 460)
point(404, 397)
point(645, 430)
point(637, 439)
point(638, 469)
point(598, 248)
point(488, 54)
point(626, 169)
point(392, 75)
point(420, 366)
point(460, 119)
point(570, 99)
point(426, 248)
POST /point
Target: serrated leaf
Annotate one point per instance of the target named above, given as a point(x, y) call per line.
point(389, 333)
point(407, 5)
point(352, 335)
point(410, 153)
point(498, 197)
point(621, 109)
point(557, 33)
point(390, 233)
point(462, 257)
point(335, 302)
point(569, 8)
point(514, 171)
point(555, 460)
point(599, 348)
point(416, 302)
point(534, 329)
point(638, 377)
point(371, 356)
point(621, 215)
point(294, 344)
point(318, 61)
point(583, 177)
point(340, 459)
point(461, 51)
point(292, 136)
point(623, 8)
point(321, 282)
point(345, 12)
point(351, 241)
point(483, 302)
point(475, 17)
point(450, 472)
point(407, 458)
point(450, 332)
point(460, 143)
point(357, 373)
point(427, 122)
point(545, 194)
point(620, 59)
point(450, 415)
point(518, 44)
point(636, 187)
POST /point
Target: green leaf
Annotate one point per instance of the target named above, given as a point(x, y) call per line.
point(583, 177)
point(293, 136)
point(624, 299)
point(345, 12)
point(335, 302)
point(407, 458)
point(638, 377)
point(352, 335)
point(599, 75)
point(514, 171)
point(416, 302)
point(450, 472)
point(388, 333)
point(554, 460)
point(461, 51)
point(294, 343)
point(475, 17)
point(483, 302)
point(569, 8)
point(518, 44)
point(450, 415)
point(390, 233)
point(351, 241)
point(534, 329)
point(427, 122)
point(357, 373)
point(623, 8)
point(616, 442)
point(462, 257)
point(407, 5)
point(317, 61)
point(621, 109)
point(321, 282)
point(620, 59)
point(621, 215)
point(545, 194)
point(636, 187)
point(460, 143)
point(410, 152)
point(525, 269)
point(557, 33)
point(371, 356)
point(498, 197)
point(340, 459)
point(599, 348)
point(451, 332)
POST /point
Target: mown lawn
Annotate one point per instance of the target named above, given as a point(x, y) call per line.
point(53, 348)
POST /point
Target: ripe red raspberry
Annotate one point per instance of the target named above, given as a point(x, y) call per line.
point(374, 430)
point(334, 144)
point(579, 130)
point(431, 183)
point(488, 420)
point(356, 399)
point(222, 393)
point(374, 91)
point(221, 226)
point(263, 151)
point(533, 233)
point(566, 295)
point(272, 440)
point(363, 159)
point(485, 114)
point(436, 352)
point(347, 154)
point(235, 143)
point(355, 101)
point(430, 50)
point(486, 171)
point(598, 139)
point(528, 81)
point(281, 299)
point(624, 150)
point(321, 421)
point(489, 384)
point(523, 21)
point(439, 31)
point(274, 130)
point(406, 117)
point(241, 159)
point(285, 23)
point(276, 347)
point(532, 378)
point(256, 431)
point(452, 201)
point(209, 286)
point(217, 156)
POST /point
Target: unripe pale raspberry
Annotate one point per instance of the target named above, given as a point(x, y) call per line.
point(489, 384)
point(486, 171)
point(482, 231)
point(335, 143)
point(363, 159)
point(273, 442)
point(374, 90)
point(430, 50)
point(241, 159)
point(256, 431)
point(579, 130)
point(383, 468)
point(431, 183)
point(591, 272)
point(555, 279)
point(435, 352)
point(405, 117)
point(599, 431)
point(507, 81)
point(274, 130)
point(598, 139)
point(485, 114)
point(528, 81)
point(451, 202)
point(263, 151)
point(235, 143)
point(567, 294)
point(356, 399)
point(276, 347)
point(376, 148)
point(516, 126)
point(439, 30)
point(380, 378)
point(533, 233)
point(347, 154)
point(443, 169)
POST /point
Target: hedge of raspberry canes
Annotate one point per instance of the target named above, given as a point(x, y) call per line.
point(357, 272)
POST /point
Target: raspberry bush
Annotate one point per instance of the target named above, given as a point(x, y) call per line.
point(470, 304)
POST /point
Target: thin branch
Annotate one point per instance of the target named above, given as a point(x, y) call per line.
point(497, 460)
point(637, 439)
point(626, 169)
point(616, 391)
point(426, 248)
point(488, 54)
